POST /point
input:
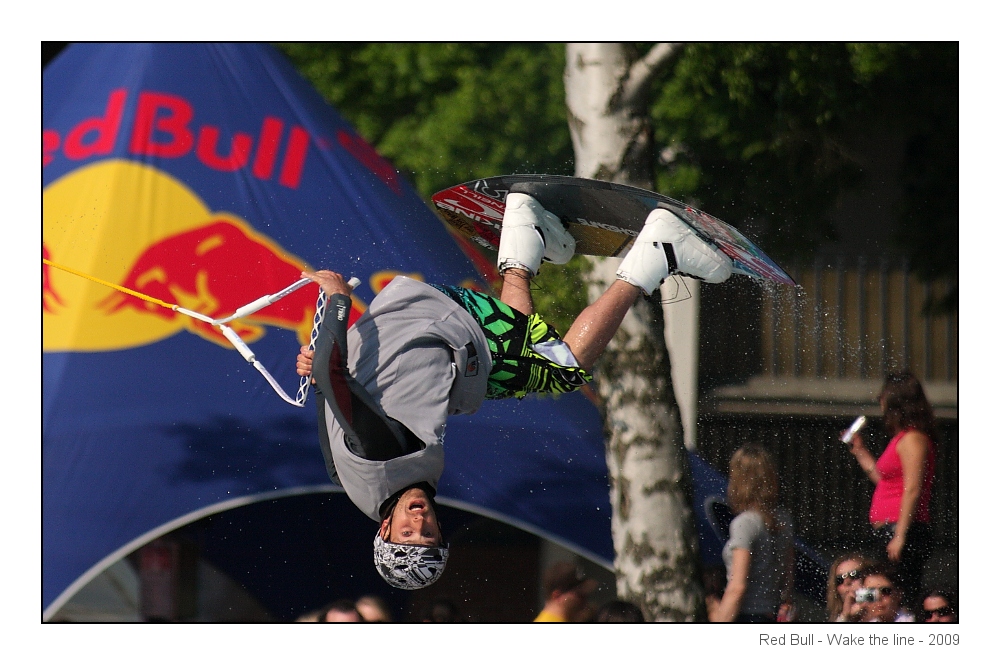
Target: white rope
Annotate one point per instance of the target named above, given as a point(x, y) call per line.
point(245, 310)
point(277, 388)
point(248, 354)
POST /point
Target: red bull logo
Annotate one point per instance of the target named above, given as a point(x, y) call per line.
point(213, 270)
point(100, 221)
point(50, 299)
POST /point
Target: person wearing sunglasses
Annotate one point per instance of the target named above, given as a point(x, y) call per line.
point(880, 597)
point(843, 581)
point(938, 607)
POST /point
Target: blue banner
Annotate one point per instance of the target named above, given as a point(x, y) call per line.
point(207, 176)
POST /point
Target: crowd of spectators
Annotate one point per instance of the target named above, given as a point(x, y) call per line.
point(883, 586)
point(366, 609)
point(887, 587)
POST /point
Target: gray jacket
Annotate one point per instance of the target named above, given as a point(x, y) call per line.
point(420, 357)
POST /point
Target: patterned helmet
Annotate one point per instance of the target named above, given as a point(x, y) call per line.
point(409, 567)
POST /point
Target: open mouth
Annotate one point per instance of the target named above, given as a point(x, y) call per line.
point(416, 504)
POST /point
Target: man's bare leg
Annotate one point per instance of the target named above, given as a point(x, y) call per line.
point(598, 322)
point(516, 290)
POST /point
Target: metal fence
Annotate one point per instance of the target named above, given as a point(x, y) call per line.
point(821, 484)
point(857, 319)
point(852, 318)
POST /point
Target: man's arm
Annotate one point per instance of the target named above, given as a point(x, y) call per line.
point(368, 432)
point(865, 459)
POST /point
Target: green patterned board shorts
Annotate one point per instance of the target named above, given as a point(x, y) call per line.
point(517, 368)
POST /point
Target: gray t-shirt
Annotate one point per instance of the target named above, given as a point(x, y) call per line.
point(421, 358)
point(767, 558)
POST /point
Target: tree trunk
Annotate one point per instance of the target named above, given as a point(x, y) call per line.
point(656, 550)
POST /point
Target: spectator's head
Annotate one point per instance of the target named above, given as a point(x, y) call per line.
point(442, 610)
point(938, 607)
point(753, 482)
point(340, 611)
point(309, 617)
point(904, 404)
point(844, 579)
point(619, 611)
point(373, 609)
point(567, 588)
point(880, 594)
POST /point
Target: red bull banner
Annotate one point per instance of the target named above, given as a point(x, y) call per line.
point(207, 176)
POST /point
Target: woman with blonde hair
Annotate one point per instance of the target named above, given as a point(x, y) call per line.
point(845, 578)
point(759, 554)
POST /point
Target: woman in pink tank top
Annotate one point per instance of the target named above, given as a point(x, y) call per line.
point(903, 476)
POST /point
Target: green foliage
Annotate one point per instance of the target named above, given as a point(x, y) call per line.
point(448, 113)
point(928, 232)
point(559, 293)
point(765, 136)
point(759, 125)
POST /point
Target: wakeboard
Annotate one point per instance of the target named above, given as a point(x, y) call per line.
point(603, 217)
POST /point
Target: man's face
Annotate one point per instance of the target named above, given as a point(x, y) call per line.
point(885, 608)
point(413, 521)
point(937, 610)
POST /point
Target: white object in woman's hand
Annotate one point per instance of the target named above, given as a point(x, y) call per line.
point(855, 427)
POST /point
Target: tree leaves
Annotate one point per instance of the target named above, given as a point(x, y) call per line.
point(768, 137)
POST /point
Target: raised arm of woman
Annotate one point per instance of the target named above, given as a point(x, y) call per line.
point(912, 449)
point(732, 597)
point(865, 459)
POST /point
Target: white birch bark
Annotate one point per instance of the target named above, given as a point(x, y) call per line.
point(656, 552)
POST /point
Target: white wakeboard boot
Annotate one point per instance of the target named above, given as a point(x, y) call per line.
point(667, 246)
point(531, 233)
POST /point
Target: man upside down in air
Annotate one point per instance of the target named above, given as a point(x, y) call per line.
point(421, 353)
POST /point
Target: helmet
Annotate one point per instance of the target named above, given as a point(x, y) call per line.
point(409, 567)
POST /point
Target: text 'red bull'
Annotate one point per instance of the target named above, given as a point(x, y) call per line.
point(164, 127)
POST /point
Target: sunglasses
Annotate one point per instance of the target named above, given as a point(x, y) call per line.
point(853, 575)
point(939, 612)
